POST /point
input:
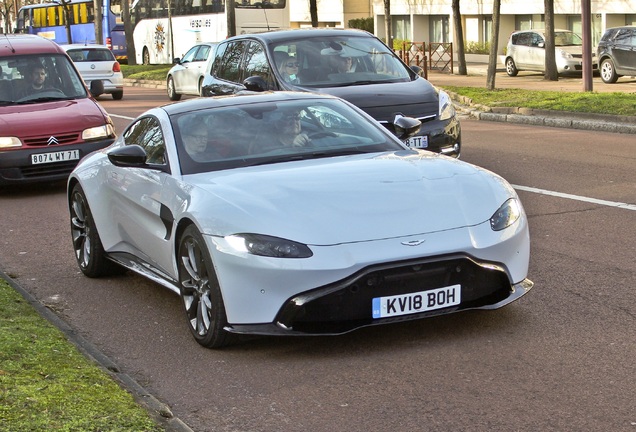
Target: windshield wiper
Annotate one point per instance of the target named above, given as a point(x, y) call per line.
point(43, 99)
point(363, 82)
point(308, 155)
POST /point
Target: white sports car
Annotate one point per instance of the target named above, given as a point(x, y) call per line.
point(295, 214)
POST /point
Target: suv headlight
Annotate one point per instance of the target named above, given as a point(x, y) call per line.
point(446, 108)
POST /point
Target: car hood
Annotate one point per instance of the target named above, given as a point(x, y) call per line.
point(417, 98)
point(50, 118)
point(348, 199)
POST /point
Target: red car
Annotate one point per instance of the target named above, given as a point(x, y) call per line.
point(48, 118)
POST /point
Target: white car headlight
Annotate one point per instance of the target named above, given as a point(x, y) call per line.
point(507, 214)
point(98, 132)
point(564, 54)
point(257, 244)
point(446, 108)
point(9, 142)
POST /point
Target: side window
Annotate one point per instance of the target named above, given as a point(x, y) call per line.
point(146, 133)
point(256, 63)
point(228, 67)
point(202, 53)
point(536, 39)
point(189, 56)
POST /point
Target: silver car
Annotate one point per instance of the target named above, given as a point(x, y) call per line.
point(526, 51)
point(97, 62)
point(186, 76)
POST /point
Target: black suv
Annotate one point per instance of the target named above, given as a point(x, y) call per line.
point(616, 53)
point(350, 64)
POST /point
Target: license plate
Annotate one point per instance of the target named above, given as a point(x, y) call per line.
point(417, 142)
point(422, 301)
point(61, 156)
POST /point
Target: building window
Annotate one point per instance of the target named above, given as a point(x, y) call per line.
point(439, 28)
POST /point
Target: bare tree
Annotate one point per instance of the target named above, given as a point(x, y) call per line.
point(313, 12)
point(98, 5)
point(494, 46)
point(6, 8)
point(231, 17)
point(459, 38)
point(131, 53)
point(387, 23)
point(551, 72)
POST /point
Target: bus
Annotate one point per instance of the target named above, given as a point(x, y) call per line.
point(165, 29)
point(47, 20)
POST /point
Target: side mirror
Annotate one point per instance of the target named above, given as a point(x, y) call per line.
point(97, 88)
point(128, 156)
point(405, 127)
point(541, 44)
point(418, 70)
point(255, 83)
point(176, 60)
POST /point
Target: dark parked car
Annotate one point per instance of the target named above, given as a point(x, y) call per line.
point(351, 64)
point(616, 53)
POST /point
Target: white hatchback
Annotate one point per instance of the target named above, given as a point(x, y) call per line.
point(97, 62)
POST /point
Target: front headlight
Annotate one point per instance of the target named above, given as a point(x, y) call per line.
point(446, 108)
point(564, 54)
point(9, 142)
point(98, 132)
point(507, 214)
point(268, 246)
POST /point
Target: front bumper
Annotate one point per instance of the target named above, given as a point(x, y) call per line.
point(346, 306)
point(16, 166)
point(444, 136)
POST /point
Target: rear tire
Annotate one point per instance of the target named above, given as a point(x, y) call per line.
point(511, 68)
point(118, 95)
point(88, 248)
point(145, 56)
point(608, 71)
point(172, 93)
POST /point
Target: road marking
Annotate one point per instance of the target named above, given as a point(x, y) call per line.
point(577, 197)
point(121, 116)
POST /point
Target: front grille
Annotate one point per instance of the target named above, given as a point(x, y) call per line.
point(348, 304)
point(41, 141)
point(48, 170)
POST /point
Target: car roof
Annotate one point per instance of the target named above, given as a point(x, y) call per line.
point(279, 35)
point(243, 98)
point(22, 44)
point(67, 47)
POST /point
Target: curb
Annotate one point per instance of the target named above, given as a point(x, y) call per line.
point(159, 411)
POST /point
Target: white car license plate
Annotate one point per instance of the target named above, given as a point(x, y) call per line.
point(422, 301)
point(61, 156)
point(417, 142)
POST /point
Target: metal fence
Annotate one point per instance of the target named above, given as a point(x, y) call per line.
point(438, 56)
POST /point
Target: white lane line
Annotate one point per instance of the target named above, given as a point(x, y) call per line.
point(121, 116)
point(577, 197)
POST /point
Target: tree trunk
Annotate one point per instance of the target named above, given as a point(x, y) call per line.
point(551, 73)
point(231, 18)
point(387, 23)
point(98, 5)
point(313, 12)
point(131, 53)
point(459, 39)
point(494, 46)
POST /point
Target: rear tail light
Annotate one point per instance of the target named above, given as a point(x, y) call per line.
point(109, 43)
point(116, 67)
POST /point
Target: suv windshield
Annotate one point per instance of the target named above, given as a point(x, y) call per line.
point(37, 78)
point(339, 61)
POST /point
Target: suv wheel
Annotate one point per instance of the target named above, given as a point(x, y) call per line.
point(608, 72)
point(511, 68)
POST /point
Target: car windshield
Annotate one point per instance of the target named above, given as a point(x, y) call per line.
point(37, 78)
point(267, 133)
point(567, 39)
point(337, 61)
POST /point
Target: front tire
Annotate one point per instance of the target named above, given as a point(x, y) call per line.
point(608, 71)
point(172, 92)
point(200, 292)
point(145, 56)
point(88, 248)
point(511, 67)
